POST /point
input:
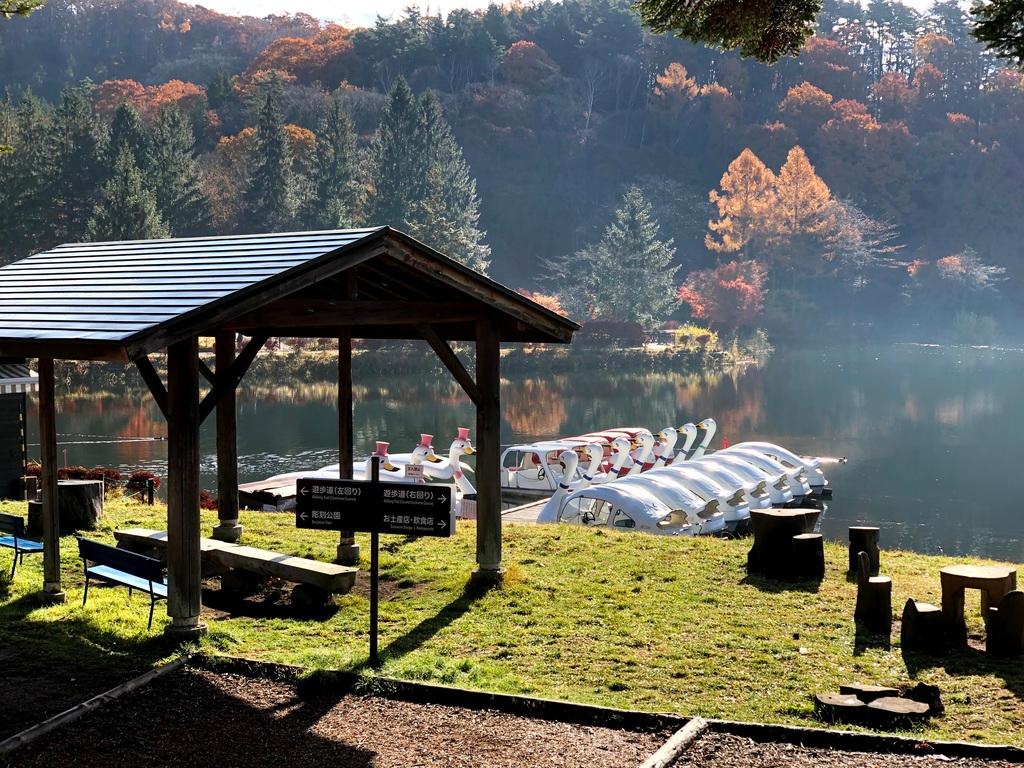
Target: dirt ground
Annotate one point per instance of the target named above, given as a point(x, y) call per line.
point(195, 717)
point(719, 750)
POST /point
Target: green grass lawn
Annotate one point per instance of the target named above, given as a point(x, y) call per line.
point(624, 620)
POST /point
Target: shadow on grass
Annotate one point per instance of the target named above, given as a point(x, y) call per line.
point(428, 628)
point(865, 639)
point(765, 584)
point(264, 605)
point(965, 660)
point(51, 665)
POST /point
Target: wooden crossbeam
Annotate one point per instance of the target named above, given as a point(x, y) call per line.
point(227, 381)
point(328, 313)
point(451, 362)
point(152, 379)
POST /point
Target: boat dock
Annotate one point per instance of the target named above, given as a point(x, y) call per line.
point(524, 513)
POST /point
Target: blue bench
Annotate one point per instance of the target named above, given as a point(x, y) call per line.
point(122, 568)
point(15, 526)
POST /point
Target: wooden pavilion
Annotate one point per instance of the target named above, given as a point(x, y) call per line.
point(123, 301)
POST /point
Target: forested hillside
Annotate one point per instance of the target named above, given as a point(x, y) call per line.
point(874, 179)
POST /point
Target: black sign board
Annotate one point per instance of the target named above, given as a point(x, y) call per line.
point(406, 509)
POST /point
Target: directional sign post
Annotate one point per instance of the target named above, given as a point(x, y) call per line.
point(406, 509)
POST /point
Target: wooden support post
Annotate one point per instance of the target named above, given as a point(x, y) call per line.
point(348, 550)
point(184, 597)
point(52, 592)
point(228, 528)
point(488, 460)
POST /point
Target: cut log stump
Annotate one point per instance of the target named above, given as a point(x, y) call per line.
point(79, 505)
point(809, 556)
point(838, 707)
point(867, 693)
point(1005, 631)
point(772, 551)
point(921, 627)
point(864, 538)
point(896, 710)
point(874, 598)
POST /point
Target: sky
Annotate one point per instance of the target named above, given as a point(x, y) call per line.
point(360, 12)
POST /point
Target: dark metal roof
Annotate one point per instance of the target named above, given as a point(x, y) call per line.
point(120, 299)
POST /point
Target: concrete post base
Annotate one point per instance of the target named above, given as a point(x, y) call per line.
point(487, 577)
point(52, 596)
point(185, 632)
point(228, 530)
point(348, 554)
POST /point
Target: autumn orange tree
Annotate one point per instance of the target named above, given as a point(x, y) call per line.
point(803, 212)
point(745, 203)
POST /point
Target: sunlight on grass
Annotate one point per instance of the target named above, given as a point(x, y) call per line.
point(623, 620)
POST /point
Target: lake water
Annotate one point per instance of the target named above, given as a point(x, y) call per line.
point(933, 435)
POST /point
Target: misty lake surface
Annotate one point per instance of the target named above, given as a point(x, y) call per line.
point(932, 434)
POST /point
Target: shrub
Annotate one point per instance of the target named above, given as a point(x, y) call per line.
point(73, 472)
point(207, 500)
point(137, 481)
point(111, 477)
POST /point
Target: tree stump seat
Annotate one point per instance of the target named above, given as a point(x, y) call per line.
point(809, 556)
point(874, 598)
point(784, 544)
point(79, 507)
point(1005, 629)
point(864, 538)
point(993, 581)
point(921, 627)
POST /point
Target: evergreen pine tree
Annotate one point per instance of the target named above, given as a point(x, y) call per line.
point(271, 199)
point(335, 195)
point(126, 131)
point(174, 176)
point(126, 209)
point(421, 181)
point(627, 276)
point(448, 215)
point(399, 160)
point(25, 175)
point(78, 149)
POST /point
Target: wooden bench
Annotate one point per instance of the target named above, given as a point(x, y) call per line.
point(122, 568)
point(225, 556)
point(15, 526)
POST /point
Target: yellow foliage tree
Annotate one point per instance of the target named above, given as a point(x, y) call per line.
point(804, 204)
point(745, 203)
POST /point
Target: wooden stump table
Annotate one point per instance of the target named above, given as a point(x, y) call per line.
point(774, 551)
point(993, 581)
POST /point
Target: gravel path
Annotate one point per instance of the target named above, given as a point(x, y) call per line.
point(718, 750)
point(195, 717)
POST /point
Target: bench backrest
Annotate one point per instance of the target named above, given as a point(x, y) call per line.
point(12, 524)
point(121, 559)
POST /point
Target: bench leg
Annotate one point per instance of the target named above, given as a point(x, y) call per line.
point(152, 605)
point(86, 595)
point(14, 565)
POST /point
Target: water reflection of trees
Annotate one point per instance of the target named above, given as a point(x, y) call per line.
point(536, 407)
